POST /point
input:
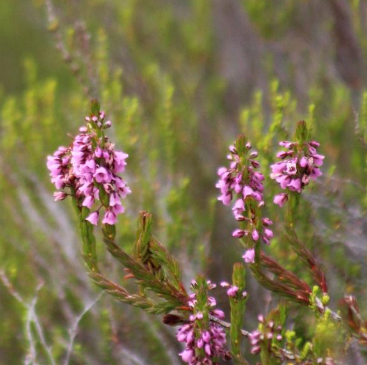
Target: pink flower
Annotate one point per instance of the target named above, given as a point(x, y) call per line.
point(218, 313)
point(259, 176)
point(187, 355)
point(286, 144)
point(239, 207)
point(91, 165)
point(249, 256)
point(120, 161)
point(102, 176)
point(267, 222)
point(88, 201)
point(255, 235)
point(98, 152)
point(268, 233)
point(295, 185)
point(232, 291)
point(59, 182)
point(59, 195)
point(118, 209)
point(238, 233)
point(114, 199)
point(315, 173)
point(304, 162)
point(280, 199)
point(291, 168)
point(284, 181)
point(247, 191)
point(226, 198)
point(93, 218)
point(109, 218)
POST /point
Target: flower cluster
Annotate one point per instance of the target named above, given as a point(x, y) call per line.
point(89, 169)
point(233, 291)
point(299, 163)
point(204, 340)
point(240, 179)
point(243, 182)
point(267, 331)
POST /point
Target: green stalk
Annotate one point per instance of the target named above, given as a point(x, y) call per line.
point(238, 307)
point(89, 241)
point(292, 207)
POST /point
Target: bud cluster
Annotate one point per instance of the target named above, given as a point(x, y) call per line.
point(89, 169)
point(233, 291)
point(204, 340)
point(299, 163)
point(266, 332)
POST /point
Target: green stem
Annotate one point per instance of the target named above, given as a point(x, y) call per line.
point(89, 244)
point(292, 208)
point(238, 306)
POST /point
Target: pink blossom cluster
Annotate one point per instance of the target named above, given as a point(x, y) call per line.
point(233, 291)
point(299, 164)
point(89, 169)
point(269, 331)
point(204, 340)
point(266, 234)
point(243, 182)
point(240, 179)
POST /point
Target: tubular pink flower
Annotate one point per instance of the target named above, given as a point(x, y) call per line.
point(232, 291)
point(59, 195)
point(267, 222)
point(118, 209)
point(295, 185)
point(249, 256)
point(102, 176)
point(280, 199)
point(268, 233)
point(59, 182)
point(255, 235)
point(93, 218)
point(114, 199)
point(109, 218)
point(238, 233)
point(226, 199)
point(120, 161)
point(239, 207)
point(88, 201)
point(187, 355)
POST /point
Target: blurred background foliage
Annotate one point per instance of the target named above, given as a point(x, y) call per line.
point(179, 80)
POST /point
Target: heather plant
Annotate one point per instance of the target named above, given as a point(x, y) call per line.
point(88, 171)
point(179, 80)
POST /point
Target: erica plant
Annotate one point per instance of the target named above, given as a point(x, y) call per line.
point(89, 172)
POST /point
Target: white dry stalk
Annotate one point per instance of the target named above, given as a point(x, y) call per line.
point(32, 317)
point(73, 330)
point(127, 354)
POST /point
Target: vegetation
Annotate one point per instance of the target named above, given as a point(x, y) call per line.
point(180, 81)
